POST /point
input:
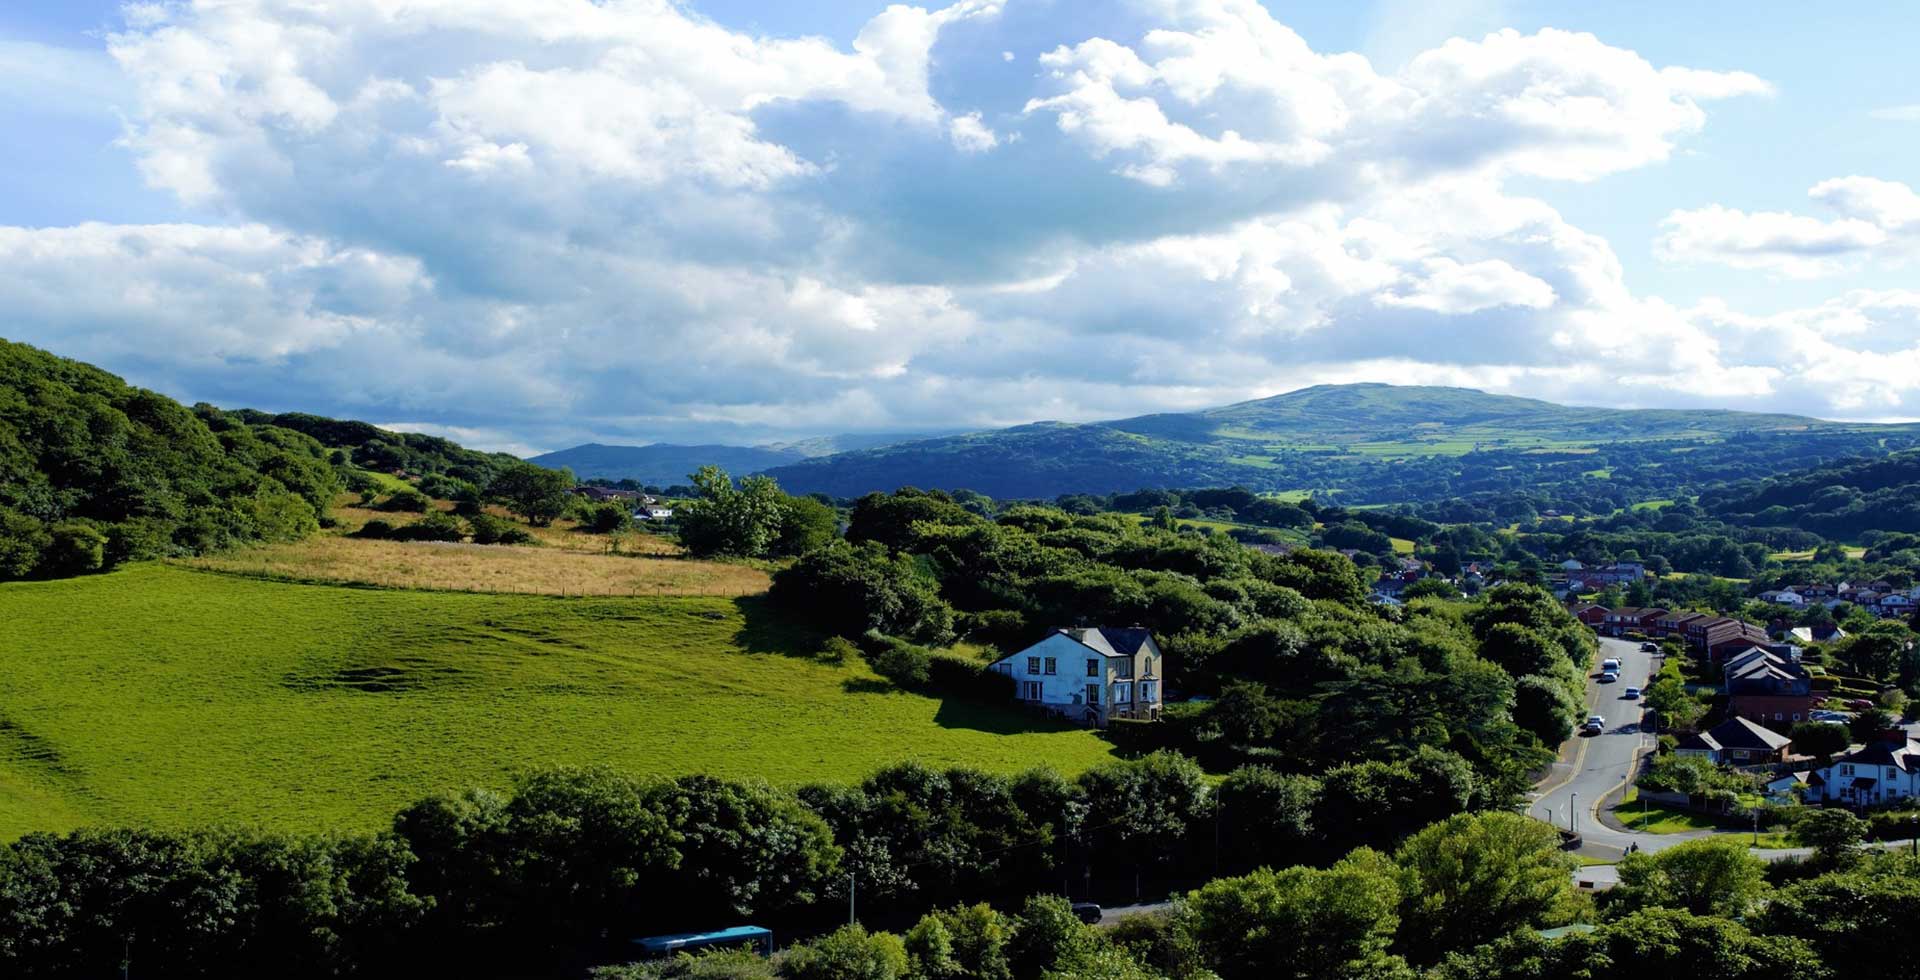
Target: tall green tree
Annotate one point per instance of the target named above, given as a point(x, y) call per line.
point(539, 495)
point(726, 519)
point(1472, 878)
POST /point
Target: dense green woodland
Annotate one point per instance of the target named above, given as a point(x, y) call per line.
point(952, 870)
point(374, 448)
point(94, 472)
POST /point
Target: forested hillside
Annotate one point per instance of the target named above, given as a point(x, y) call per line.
point(374, 448)
point(94, 472)
point(1838, 501)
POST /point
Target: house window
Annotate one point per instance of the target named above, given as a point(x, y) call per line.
point(1033, 665)
point(1776, 717)
point(1050, 666)
point(1093, 694)
point(1093, 668)
point(1846, 770)
point(1123, 669)
point(1122, 693)
point(1030, 690)
point(1796, 716)
point(1890, 772)
point(1148, 690)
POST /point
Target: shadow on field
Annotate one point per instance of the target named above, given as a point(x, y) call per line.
point(997, 719)
point(764, 631)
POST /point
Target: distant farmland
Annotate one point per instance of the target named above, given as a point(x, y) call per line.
point(168, 696)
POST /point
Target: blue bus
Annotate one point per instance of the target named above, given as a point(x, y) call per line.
point(761, 940)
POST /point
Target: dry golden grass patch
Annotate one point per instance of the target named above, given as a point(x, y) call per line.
point(350, 516)
point(485, 568)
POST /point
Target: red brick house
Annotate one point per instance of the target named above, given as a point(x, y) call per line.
point(1764, 686)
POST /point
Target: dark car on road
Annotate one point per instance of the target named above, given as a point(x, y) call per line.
point(1086, 912)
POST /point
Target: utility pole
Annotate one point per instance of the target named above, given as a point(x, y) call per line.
point(853, 885)
point(1573, 813)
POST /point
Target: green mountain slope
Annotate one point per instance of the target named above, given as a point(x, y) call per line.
point(1371, 442)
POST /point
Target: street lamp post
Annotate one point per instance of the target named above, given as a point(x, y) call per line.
point(1573, 813)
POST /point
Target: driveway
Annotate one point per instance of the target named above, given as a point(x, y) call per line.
point(1603, 763)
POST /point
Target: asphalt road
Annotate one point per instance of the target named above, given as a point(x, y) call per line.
point(1603, 763)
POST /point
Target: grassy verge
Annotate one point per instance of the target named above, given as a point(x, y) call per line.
point(166, 696)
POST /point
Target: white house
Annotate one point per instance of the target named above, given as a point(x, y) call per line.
point(1092, 674)
point(1885, 769)
point(653, 514)
point(1784, 597)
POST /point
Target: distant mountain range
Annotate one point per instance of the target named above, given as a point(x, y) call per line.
point(1366, 441)
point(665, 464)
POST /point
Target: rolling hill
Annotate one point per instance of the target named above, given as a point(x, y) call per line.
point(665, 464)
point(1371, 442)
point(662, 464)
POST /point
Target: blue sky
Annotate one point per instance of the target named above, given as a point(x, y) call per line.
point(537, 223)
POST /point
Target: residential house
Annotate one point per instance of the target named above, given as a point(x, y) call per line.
point(1826, 633)
point(1604, 576)
point(1675, 622)
point(1894, 605)
point(1736, 742)
point(1763, 685)
point(1630, 619)
point(1883, 770)
point(1592, 614)
point(1092, 674)
point(1783, 597)
point(653, 513)
point(1717, 636)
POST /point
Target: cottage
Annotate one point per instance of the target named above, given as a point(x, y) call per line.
point(1783, 597)
point(1885, 769)
point(1736, 742)
point(1093, 674)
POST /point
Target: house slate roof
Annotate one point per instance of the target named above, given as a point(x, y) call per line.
point(1111, 641)
point(1739, 733)
point(1906, 757)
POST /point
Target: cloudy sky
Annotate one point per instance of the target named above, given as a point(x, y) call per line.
point(531, 223)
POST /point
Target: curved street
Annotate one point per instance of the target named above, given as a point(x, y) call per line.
point(1600, 765)
point(1594, 769)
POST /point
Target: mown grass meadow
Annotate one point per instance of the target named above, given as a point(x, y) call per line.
point(167, 696)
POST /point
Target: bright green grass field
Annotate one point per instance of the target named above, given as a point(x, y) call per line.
point(163, 696)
